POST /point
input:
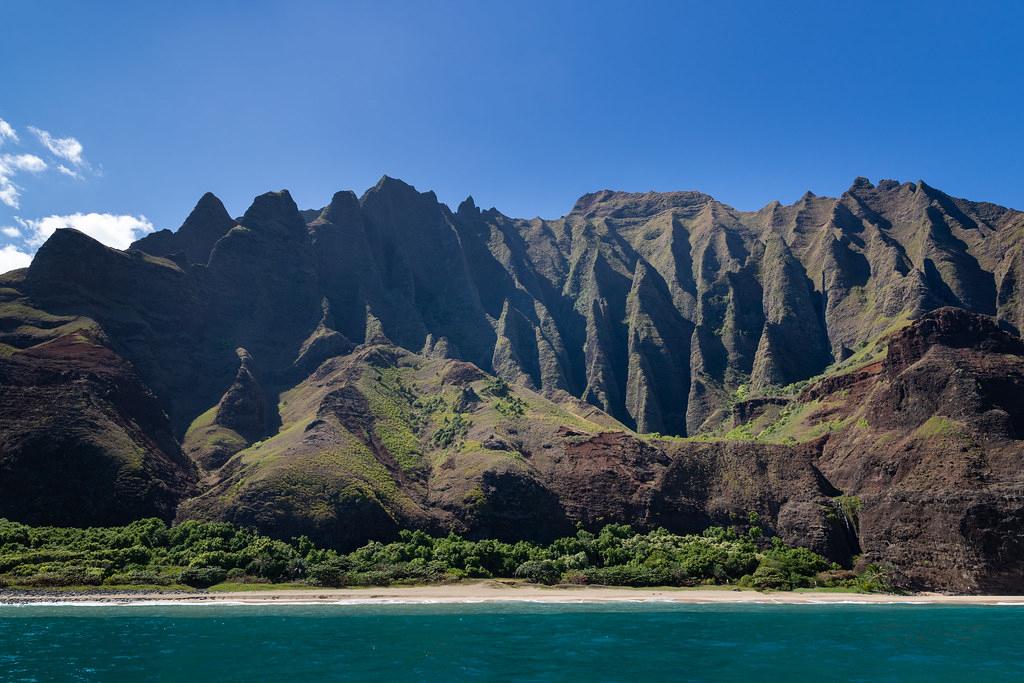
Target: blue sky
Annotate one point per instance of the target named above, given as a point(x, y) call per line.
point(525, 106)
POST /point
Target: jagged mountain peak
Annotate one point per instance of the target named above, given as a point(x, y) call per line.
point(860, 183)
point(387, 181)
point(617, 204)
point(205, 224)
point(739, 282)
point(343, 205)
point(209, 215)
point(392, 187)
point(272, 200)
point(468, 208)
point(274, 211)
point(391, 194)
point(209, 202)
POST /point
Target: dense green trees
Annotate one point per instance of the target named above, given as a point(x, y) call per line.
point(147, 552)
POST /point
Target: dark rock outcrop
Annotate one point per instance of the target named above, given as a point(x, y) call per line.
point(952, 328)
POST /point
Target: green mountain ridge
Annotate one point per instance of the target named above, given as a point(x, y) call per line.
point(658, 359)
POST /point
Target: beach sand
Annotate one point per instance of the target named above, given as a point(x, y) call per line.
point(494, 591)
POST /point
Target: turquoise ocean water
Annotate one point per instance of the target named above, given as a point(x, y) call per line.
point(512, 642)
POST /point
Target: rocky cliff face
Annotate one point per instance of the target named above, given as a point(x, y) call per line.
point(653, 307)
point(934, 454)
point(333, 372)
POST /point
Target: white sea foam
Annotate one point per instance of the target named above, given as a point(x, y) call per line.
point(119, 603)
point(384, 601)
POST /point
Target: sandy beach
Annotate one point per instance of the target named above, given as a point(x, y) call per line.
point(496, 591)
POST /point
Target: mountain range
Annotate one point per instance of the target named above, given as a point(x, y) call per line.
point(850, 369)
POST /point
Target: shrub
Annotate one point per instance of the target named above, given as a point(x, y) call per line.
point(770, 578)
point(539, 571)
point(66, 576)
point(202, 577)
point(576, 561)
point(511, 406)
point(798, 565)
point(575, 576)
point(633, 575)
point(216, 558)
point(450, 431)
point(14, 534)
point(497, 387)
point(143, 577)
point(332, 573)
point(873, 579)
point(273, 560)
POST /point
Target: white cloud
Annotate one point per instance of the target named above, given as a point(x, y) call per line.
point(11, 164)
point(12, 258)
point(7, 132)
point(21, 162)
point(69, 172)
point(11, 231)
point(66, 148)
point(114, 231)
point(9, 192)
point(69, 149)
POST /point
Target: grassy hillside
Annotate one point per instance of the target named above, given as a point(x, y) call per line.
point(388, 433)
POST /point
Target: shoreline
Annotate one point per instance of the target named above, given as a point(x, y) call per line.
point(489, 592)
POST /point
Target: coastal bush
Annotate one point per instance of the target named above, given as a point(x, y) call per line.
point(202, 577)
point(539, 571)
point(138, 578)
point(633, 575)
point(574, 562)
point(575, 577)
point(332, 573)
point(64, 576)
point(768, 578)
point(272, 560)
point(201, 554)
point(873, 579)
point(797, 566)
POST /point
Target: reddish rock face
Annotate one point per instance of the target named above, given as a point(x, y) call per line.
point(952, 328)
point(82, 441)
point(937, 467)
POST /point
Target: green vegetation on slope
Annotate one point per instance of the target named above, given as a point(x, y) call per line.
point(366, 433)
point(791, 420)
point(207, 437)
point(147, 553)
